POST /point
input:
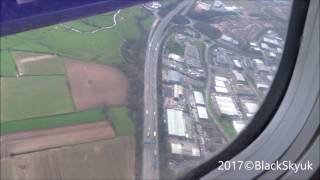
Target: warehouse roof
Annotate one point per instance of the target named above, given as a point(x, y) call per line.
point(176, 123)
point(174, 76)
point(221, 89)
point(251, 107)
point(238, 75)
point(238, 125)
point(226, 105)
point(202, 112)
point(198, 97)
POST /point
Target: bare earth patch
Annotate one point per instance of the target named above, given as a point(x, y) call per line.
point(95, 85)
point(75, 152)
point(25, 142)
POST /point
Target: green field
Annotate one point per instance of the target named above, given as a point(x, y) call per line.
point(7, 64)
point(51, 66)
point(40, 97)
point(121, 121)
point(102, 20)
point(88, 116)
point(80, 25)
point(102, 46)
point(34, 96)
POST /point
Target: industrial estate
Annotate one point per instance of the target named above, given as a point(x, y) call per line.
point(216, 62)
point(147, 92)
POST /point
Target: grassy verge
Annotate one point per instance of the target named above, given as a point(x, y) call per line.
point(121, 121)
point(228, 128)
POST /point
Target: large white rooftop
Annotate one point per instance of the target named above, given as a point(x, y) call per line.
point(251, 107)
point(220, 78)
point(198, 96)
point(221, 89)
point(260, 85)
point(177, 90)
point(238, 125)
point(176, 148)
point(237, 63)
point(270, 77)
point(204, 5)
point(220, 83)
point(229, 39)
point(185, 148)
point(226, 105)
point(202, 112)
point(238, 75)
point(176, 123)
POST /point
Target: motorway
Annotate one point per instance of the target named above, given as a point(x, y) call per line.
point(150, 162)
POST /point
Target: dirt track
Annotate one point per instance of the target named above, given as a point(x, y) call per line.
point(95, 85)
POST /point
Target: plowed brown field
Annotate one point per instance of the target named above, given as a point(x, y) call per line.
point(94, 85)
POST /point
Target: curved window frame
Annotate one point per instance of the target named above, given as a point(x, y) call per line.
point(273, 99)
point(293, 133)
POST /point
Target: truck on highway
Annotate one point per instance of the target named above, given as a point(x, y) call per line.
point(155, 133)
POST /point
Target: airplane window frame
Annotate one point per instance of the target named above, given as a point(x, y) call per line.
point(293, 133)
point(273, 98)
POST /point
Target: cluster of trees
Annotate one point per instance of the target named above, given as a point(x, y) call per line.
point(179, 19)
point(175, 47)
point(206, 29)
point(133, 53)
